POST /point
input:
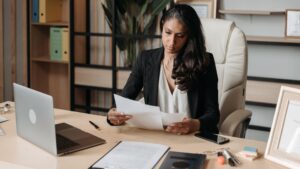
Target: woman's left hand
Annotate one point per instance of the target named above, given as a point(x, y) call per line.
point(185, 127)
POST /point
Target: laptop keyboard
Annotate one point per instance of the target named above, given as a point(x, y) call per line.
point(64, 143)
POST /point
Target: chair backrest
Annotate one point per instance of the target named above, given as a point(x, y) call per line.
point(228, 45)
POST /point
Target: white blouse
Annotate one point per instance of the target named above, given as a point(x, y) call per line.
point(176, 102)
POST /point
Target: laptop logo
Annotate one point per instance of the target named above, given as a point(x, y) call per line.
point(32, 116)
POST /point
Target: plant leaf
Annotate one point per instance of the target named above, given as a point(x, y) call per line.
point(108, 16)
point(158, 5)
point(143, 11)
point(121, 6)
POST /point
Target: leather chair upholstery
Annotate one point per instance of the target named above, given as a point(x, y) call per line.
point(228, 45)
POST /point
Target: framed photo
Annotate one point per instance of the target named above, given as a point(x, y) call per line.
point(283, 145)
point(292, 26)
point(204, 8)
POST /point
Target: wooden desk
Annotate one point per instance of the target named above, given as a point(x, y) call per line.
point(17, 151)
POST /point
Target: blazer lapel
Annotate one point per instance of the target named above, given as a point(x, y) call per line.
point(153, 69)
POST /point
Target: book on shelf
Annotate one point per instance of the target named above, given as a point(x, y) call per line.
point(35, 11)
point(59, 44)
point(50, 11)
point(65, 44)
point(55, 43)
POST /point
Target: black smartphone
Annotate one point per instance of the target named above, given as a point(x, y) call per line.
point(212, 137)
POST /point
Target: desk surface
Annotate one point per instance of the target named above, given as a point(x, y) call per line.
point(17, 151)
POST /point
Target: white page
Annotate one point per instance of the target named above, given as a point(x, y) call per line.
point(144, 116)
point(133, 155)
point(169, 118)
point(133, 107)
point(151, 121)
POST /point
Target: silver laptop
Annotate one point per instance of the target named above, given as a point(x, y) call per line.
point(35, 123)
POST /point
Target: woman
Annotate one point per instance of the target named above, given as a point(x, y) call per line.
point(180, 77)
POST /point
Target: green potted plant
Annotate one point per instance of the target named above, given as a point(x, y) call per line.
point(133, 17)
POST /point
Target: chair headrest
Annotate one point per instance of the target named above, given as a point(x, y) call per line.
point(219, 33)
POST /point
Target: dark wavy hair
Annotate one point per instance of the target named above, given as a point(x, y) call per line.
point(192, 60)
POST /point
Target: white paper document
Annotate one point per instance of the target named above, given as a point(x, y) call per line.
point(145, 116)
point(133, 155)
point(168, 118)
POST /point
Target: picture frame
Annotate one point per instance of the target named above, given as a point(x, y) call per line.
point(204, 8)
point(283, 144)
point(292, 23)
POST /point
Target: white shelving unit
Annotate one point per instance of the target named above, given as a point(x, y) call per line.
point(274, 60)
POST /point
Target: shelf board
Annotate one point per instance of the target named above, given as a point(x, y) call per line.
point(46, 60)
point(255, 103)
point(250, 12)
point(270, 39)
point(260, 128)
point(64, 24)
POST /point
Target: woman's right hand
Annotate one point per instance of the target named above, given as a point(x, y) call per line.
point(117, 118)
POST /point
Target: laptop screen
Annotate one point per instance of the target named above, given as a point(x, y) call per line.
point(35, 117)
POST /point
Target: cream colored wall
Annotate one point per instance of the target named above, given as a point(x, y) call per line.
point(265, 60)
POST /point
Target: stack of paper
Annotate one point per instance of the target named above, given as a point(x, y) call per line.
point(249, 153)
point(145, 116)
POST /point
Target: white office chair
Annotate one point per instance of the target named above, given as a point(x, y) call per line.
point(229, 47)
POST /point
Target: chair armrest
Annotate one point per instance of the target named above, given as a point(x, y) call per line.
point(232, 122)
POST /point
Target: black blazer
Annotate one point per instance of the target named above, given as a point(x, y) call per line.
point(203, 99)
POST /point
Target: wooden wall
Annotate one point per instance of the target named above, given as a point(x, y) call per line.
point(9, 49)
point(22, 45)
point(13, 46)
point(1, 53)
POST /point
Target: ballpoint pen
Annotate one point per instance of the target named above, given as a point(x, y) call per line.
point(235, 159)
point(232, 161)
point(95, 125)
